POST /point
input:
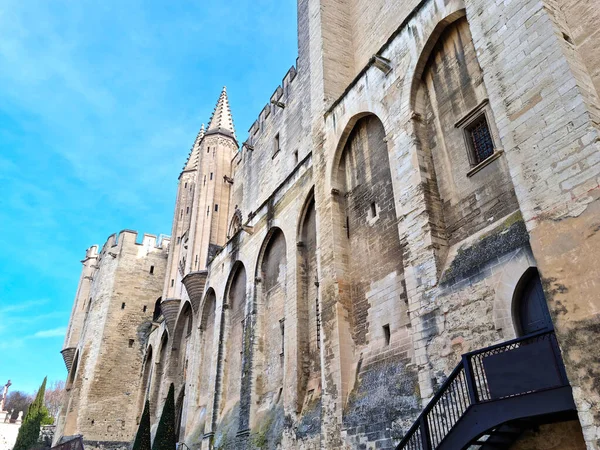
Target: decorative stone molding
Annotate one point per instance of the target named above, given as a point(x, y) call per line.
point(68, 355)
point(170, 308)
point(194, 283)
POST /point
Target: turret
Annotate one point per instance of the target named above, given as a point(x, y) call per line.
point(184, 208)
point(80, 305)
point(219, 146)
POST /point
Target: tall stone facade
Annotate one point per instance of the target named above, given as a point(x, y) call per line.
point(107, 336)
point(426, 168)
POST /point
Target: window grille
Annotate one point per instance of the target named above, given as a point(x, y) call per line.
point(480, 140)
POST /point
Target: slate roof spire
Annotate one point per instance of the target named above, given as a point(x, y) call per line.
point(221, 120)
point(194, 156)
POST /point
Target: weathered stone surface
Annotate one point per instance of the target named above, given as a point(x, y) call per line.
point(360, 246)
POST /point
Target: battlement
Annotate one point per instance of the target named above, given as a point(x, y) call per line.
point(91, 252)
point(274, 102)
point(130, 237)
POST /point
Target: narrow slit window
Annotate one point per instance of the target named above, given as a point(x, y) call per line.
point(318, 316)
point(187, 210)
point(172, 282)
point(282, 328)
point(276, 145)
point(295, 157)
point(373, 210)
point(386, 334)
point(151, 270)
point(131, 342)
point(211, 175)
point(348, 227)
point(242, 336)
point(216, 207)
point(123, 305)
point(145, 308)
point(185, 186)
point(480, 140)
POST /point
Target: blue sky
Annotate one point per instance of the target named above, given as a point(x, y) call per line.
point(100, 103)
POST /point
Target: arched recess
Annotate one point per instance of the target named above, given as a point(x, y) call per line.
point(530, 308)
point(73, 398)
point(146, 382)
point(157, 310)
point(207, 334)
point(271, 296)
point(73, 372)
point(236, 223)
point(308, 351)
point(231, 344)
point(505, 289)
point(178, 361)
point(466, 179)
point(179, 414)
point(155, 386)
point(366, 238)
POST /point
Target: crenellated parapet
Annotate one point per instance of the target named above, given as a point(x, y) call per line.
point(130, 237)
point(277, 100)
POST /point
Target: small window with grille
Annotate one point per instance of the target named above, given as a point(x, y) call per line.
point(479, 139)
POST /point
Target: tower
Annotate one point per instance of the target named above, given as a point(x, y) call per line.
point(81, 305)
point(219, 146)
point(203, 195)
point(182, 218)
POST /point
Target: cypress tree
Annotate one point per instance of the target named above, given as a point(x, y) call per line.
point(30, 428)
point(142, 438)
point(165, 432)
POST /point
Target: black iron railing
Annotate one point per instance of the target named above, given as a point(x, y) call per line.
point(517, 367)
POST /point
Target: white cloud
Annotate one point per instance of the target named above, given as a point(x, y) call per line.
point(54, 332)
point(24, 306)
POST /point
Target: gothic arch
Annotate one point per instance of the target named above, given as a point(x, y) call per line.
point(236, 223)
point(231, 337)
point(159, 367)
point(308, 321)
point(73, 372)
point(270, 299)
point(157, 310)
point(207, 333)
point(365, 231)
point(146, 381)
point(505, 288)
point(454, 11)
point(179, 346)
point(336, 182)
point(458, 167)
point(308, 199)
point(147, 370)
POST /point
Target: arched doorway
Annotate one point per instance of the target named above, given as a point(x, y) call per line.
point(530, 309)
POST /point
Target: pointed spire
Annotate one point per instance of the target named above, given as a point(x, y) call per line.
point(221, 119)
point(192, 160)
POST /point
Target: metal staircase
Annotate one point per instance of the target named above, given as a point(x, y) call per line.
point(493, 395)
